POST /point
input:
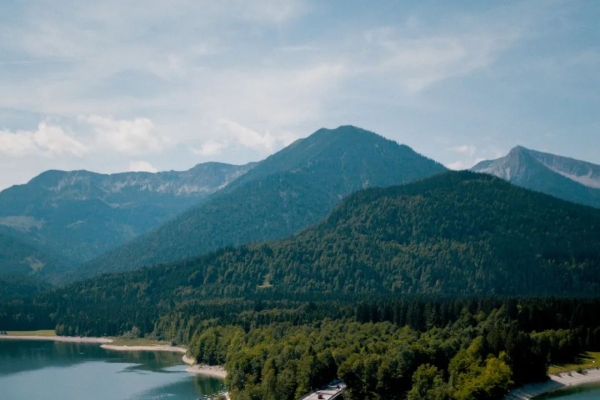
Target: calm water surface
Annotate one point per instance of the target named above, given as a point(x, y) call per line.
point(584, 392)
point(71, 371)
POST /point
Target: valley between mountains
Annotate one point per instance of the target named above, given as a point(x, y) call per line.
point(344, 255)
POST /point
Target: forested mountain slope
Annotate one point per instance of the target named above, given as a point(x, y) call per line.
point(82, 214)
point(26, 267)
point(459, 233)
point(20, 257)
point(281, 195)
point(14, 287)
point(562, 177)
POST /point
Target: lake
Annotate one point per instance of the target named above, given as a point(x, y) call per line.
point(72, 371)
point(583, 392)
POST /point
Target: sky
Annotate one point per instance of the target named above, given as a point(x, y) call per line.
point(153, 85)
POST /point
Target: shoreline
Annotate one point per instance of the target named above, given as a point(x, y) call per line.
point(105, 343)
point(216, 371)
point(556, 382)
point(63, 339)
point(157, 347)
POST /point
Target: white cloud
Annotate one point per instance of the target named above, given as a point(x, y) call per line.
point(457, 165)
point(49, 140)
point(274, 99)
point(16, 144)
point(247, 137)
point(464, 150)
point(467, 154)
point(267, 11)
point(211, 148)
point(298, 48)
point(141, 166)
point(464, 164)
point(471, 156)
point(132, 137)
point(417, 63)
point(232, 134)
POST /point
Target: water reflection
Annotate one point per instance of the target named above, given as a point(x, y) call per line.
point(72, 371)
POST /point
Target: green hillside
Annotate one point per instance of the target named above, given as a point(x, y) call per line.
point(26, 267)
point(288, 191)
point(454, 234)
point(20, 286)
point(459, 233)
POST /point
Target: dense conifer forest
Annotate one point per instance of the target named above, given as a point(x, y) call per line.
point(26, 266)
point(382, 347)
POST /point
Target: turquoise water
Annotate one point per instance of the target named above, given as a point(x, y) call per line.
point(584, 392)
point(71, 371)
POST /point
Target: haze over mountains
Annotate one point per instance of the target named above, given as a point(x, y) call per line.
point(81, 214)
point(288, 191)
point(562, 177)
point(72, 225)
point(459, 233)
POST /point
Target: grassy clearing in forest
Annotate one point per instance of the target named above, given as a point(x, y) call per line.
point(586, 360)
point(32, 333)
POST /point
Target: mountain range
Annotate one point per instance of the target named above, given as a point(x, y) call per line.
point(64, 226)
point(281, 195)
point(455, 234)
point(337, 245)
point(80, 215)
point(562, 177)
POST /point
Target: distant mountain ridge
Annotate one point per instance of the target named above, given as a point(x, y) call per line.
point(281, 195)
point(562, 177)
point(82, 214)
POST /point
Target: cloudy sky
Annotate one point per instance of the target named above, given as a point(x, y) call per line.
point(119, 85)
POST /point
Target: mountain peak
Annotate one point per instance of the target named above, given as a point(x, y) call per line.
point(519, 149)
point(347, 131)
point(562, 177)
point(336, 149)
point(286, 192)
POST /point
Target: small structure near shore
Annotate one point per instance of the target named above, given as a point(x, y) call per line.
point(332, 391)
